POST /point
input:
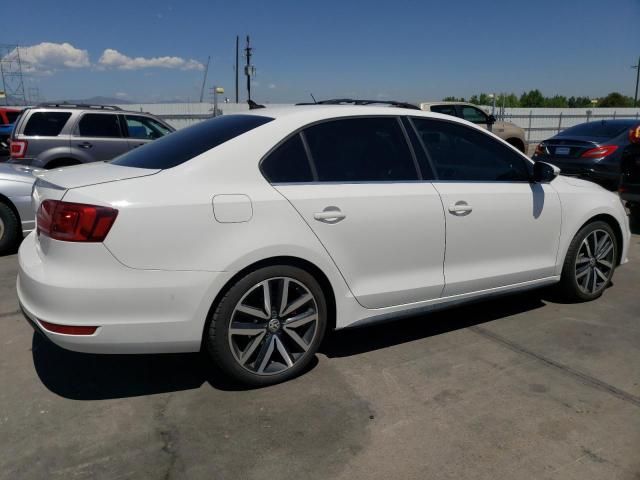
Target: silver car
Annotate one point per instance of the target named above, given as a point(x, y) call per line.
point(16, 213)
point(58, 135)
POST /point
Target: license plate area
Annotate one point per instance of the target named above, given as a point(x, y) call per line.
point(563, 150)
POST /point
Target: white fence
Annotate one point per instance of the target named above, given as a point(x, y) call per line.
point(538, 123)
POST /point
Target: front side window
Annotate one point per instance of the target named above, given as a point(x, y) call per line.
point(288, 163)
point(360, 150)
point(444, 109)
point(461, 153)
point(46, 124)
point(145, 128)
point(185, 144)
point(99, 125)
point(474, 115)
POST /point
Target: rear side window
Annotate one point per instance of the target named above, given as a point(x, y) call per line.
point(288, 163)
point(185, 144)
point(461, 153)
point(99, 125)
point(46, 124)
point(360, 150)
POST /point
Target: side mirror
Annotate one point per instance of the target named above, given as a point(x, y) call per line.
point(491, 119)
point(544, 172)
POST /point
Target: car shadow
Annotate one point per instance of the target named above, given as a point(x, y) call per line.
point(81, 376)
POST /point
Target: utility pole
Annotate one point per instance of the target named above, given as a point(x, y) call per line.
point(237, 63)
point(204, 80)
point(249, 69)
point(637, 67)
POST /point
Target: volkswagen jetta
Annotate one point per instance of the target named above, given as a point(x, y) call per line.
point(251, 235)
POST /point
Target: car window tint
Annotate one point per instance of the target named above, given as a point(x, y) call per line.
point(421, 156)
point(360, 149)
point(474, 115)
point(288, 163)
point(46, 124)
point(463, 153)
point(99, 125)
point(185, 144)
point(12, 116)
point(446, 109)
point(145, 128)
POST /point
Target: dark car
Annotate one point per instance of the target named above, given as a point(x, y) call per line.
point(592, 150)
point(630, 179)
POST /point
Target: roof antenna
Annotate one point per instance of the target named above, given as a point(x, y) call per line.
point(314, 98)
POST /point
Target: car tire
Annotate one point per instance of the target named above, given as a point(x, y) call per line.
point(589, 264)
point(61, 162)
point(9, 229)
point(258, 348)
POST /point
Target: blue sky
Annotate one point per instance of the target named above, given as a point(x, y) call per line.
point(405, 50)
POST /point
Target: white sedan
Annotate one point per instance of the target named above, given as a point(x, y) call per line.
point(250, 235)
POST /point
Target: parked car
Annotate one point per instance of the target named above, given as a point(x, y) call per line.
point(251, 235)
point(592, 150)
point(630, 180)
point(510, 132)
point(17, 217)
point(58, 135)
point(8, 117)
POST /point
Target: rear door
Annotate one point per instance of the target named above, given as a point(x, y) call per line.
point(141, 130)
point(355, 182)
point(99, 136)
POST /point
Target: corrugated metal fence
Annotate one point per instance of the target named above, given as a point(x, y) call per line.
point(538, 123)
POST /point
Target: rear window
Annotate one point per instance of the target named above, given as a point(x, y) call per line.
point(602, 129)
point(12, 116)
point(46, 124)
point(190, 142)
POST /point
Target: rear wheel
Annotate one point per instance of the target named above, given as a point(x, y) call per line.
point(590, 262)
point(9, 229)
point(268, 326)
point(517, 143)
point(61, 162)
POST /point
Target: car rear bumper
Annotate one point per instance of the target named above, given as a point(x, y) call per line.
point(136, 311)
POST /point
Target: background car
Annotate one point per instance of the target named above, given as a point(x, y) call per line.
point(58, 135)
point(8, 117)
point(592, 150)
point(16, 211)
point(297, 220)
point(509, 132)
point(630, 180)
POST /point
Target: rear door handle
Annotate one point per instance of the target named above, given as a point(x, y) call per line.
point(329, 215)
point(460, 208)
point(85, 145)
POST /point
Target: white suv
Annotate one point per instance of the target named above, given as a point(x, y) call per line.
point(250, 235)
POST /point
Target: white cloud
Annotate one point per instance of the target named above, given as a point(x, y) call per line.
point(114, 59)
point(46, 57)
point(272, 86)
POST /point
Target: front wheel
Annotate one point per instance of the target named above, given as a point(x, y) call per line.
point(10, 230)
point(589, 264)
point(268, 326)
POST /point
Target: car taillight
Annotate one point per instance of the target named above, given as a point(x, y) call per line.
point(634, 134)
point(17, 148)
point(74, 222)
point(68, 329)
point(603, 151)
point(541, 149)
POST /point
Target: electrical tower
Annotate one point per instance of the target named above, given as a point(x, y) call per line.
point(11, 73)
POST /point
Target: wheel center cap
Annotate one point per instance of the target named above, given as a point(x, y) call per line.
point(273, 325)
point(592, 262)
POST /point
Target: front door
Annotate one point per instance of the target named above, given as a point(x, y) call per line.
point(501, 228)
point(381, 225)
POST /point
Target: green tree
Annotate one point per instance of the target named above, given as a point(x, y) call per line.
point(453, 99)
point(615, 99)
point(557, 101)
point(532, 99)
point(474, 100)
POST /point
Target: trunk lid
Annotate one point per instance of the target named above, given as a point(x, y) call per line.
point(569, 147)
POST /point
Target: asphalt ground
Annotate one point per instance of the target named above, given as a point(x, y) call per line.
point(519, 387)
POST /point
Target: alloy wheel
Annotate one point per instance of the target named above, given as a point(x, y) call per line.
point(273, 325)
point(595, 262)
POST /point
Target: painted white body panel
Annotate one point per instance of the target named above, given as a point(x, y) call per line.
point(182, 234)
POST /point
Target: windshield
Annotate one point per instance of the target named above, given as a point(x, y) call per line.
point(602, 129)
point(183, 145)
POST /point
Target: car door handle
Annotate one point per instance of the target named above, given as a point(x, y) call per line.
point(329, 215)
point(460, 208)
point(85, 145)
